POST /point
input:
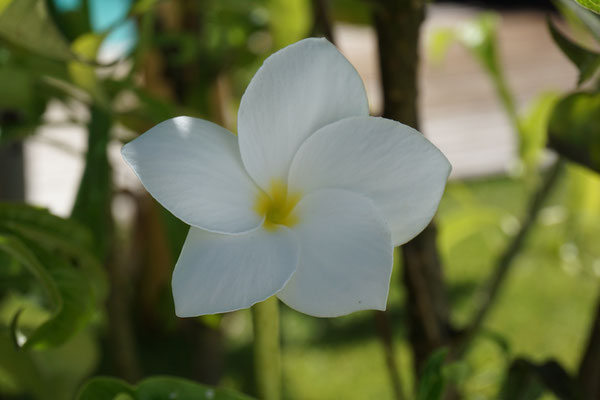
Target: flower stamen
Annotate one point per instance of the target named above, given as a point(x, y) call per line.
point(277, 206)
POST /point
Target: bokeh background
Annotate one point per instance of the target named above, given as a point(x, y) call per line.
point(78, 78)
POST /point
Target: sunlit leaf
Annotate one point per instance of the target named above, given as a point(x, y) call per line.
point(289, 20)
point(27, 23)
point(574, 129)
point(592, 5)
point(583, 16)
point(586, 61)
point(533, 127)
point(155, 388)
point(83, 74)
point(439, 42)
point(479, 36)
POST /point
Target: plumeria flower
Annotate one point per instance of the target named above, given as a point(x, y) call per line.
point(307, 202)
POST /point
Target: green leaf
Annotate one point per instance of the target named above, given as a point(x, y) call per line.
point(17, 249)
point(77, 307)
point(479, 37)
point(57, 252)
point(154, 388)
point(433, 381)
point(592, 5)
point(106, 388)
point(53, 233)
point(533, 128)
point(574, 129)
point(83, 74)
point(575, 14)
point(586, 61)
point(27, 23)
point(21, 370)
point(61, 232)
point(439, 42)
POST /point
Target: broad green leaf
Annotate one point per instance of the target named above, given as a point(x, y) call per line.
point(533, 127)
point(56, 234)
point(578, 15)
point(433, 381)
point(586, 61)
point(574, 129)
point(154, 388)
point(27, 23)
point(77, 306)
point(57, 252)
point(74, 307)
point(592, 5)
point(17, 249)
point(56, 229)
point(83, 74)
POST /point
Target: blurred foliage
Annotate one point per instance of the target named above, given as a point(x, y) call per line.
point(69, 286)
point(157, 388)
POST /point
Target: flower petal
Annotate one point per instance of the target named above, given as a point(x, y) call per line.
point(193, 168)
point(345, 255)
point(391, 163)
point(298, 90)
point(218, 273)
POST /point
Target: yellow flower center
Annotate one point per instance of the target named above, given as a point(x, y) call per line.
point(277, 205)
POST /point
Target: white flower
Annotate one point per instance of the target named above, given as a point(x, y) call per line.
point(307, 202)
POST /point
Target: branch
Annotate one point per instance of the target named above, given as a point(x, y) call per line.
point(321, 21)
point(492, 288)
point(384, 330)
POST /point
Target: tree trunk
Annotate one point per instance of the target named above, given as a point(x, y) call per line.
point(589, 370)
point(398, 23)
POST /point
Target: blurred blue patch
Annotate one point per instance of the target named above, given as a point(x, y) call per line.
point(105, 14)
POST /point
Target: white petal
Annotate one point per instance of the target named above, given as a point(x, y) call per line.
point(298, 90)
point(193, 168)
point(218, 273)
point(391, 163)
point(345, 256)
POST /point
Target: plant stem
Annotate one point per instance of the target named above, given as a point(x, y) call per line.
point(267, 353)
point(491, 289)
point(384, 330)
point(398, 24)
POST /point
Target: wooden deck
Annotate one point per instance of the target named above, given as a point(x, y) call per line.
point(460, 112)
point(459, 109)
